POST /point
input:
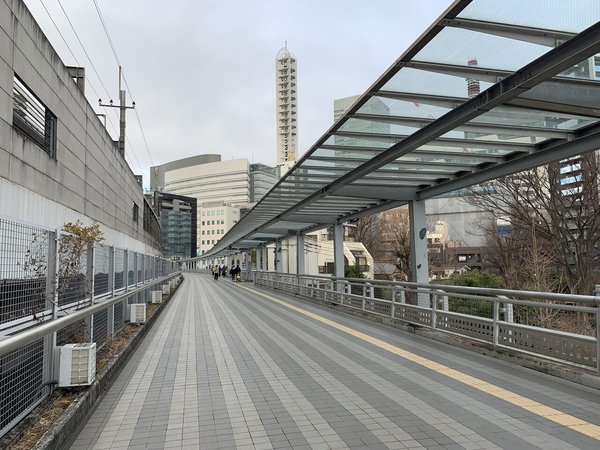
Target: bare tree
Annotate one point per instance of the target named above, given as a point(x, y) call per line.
point(554, 220)
point(368, 231)
point(395, 240)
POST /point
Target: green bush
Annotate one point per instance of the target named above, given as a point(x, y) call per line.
point(476, 278)
point(479, 308)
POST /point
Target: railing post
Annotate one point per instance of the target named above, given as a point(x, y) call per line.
point(364, 294)
point(434, 310)
point(598, 338)
point(496, 317)
point(393, 309)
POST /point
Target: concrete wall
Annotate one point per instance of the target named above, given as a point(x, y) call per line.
point(464, 220)
point(87, 179)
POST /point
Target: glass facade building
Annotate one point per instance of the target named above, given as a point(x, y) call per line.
point(177, 215)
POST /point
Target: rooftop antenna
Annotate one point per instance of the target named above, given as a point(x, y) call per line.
point(285, 44)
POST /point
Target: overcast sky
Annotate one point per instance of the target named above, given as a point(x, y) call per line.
point(202, 73)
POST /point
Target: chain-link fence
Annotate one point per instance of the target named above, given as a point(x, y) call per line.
point(45, 278)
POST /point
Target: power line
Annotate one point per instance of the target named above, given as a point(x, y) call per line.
point(61, 35)
point(83, 47)
point(124, 78)
point(106, 32)
point(73, 55)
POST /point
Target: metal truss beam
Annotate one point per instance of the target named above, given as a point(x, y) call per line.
point(540, 36)
point(479, 127)
point(561, 151)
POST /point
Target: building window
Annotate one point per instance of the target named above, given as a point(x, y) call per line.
point(32, 118)
point(136, 212)
point(202, 242)
point(203, 222)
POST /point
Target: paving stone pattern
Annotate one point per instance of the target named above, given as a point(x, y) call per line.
point(227, 368)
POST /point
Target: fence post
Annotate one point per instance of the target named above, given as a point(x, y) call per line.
point(110, 314)
point(50, 304)
point(90, 275)
point(126, 270)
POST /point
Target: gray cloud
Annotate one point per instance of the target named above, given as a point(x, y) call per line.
point(202, 72)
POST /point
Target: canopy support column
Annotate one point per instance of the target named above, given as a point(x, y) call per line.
point(338, 250)
point(300, 263)
point(418, 248)
point(278, 261)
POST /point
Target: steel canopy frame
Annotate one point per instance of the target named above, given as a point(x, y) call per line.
point(335, 182)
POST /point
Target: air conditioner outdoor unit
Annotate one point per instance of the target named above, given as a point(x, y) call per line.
point(137, 313)
point(166, 289)
point(77, 364)
point(156, 296)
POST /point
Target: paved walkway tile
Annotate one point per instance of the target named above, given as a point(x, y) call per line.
point(235, 366)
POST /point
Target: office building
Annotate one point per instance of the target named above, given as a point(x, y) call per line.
point(215, 219)
point(177, 216)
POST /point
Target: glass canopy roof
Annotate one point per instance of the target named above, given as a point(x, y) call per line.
point(491, 88)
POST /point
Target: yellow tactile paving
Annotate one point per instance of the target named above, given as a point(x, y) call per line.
point(555, 415)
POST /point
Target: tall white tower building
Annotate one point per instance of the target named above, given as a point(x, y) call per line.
point(286, 109)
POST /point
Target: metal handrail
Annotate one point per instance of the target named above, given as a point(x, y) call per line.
point(40, 331)
point(499, 316)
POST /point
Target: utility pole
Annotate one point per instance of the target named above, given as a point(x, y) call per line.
point(122, 109)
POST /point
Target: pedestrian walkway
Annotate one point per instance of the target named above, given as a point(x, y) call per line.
point(234, 366)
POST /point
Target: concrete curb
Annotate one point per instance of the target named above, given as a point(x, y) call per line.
point(578, 375)
point(60, 433)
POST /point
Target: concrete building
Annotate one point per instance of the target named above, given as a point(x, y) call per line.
point(286, 109)
point(214, 220)
point(206, 178)
point(178, 220)
point(355, 253)
point(229, 186)
point(58, 163)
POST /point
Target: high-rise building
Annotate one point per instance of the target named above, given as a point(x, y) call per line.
point(286, 113)
point(177, 216)
point(207, 179)
point(372, 106)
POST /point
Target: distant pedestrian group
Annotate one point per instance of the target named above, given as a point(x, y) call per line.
point(221, 271)
point(236, 273)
